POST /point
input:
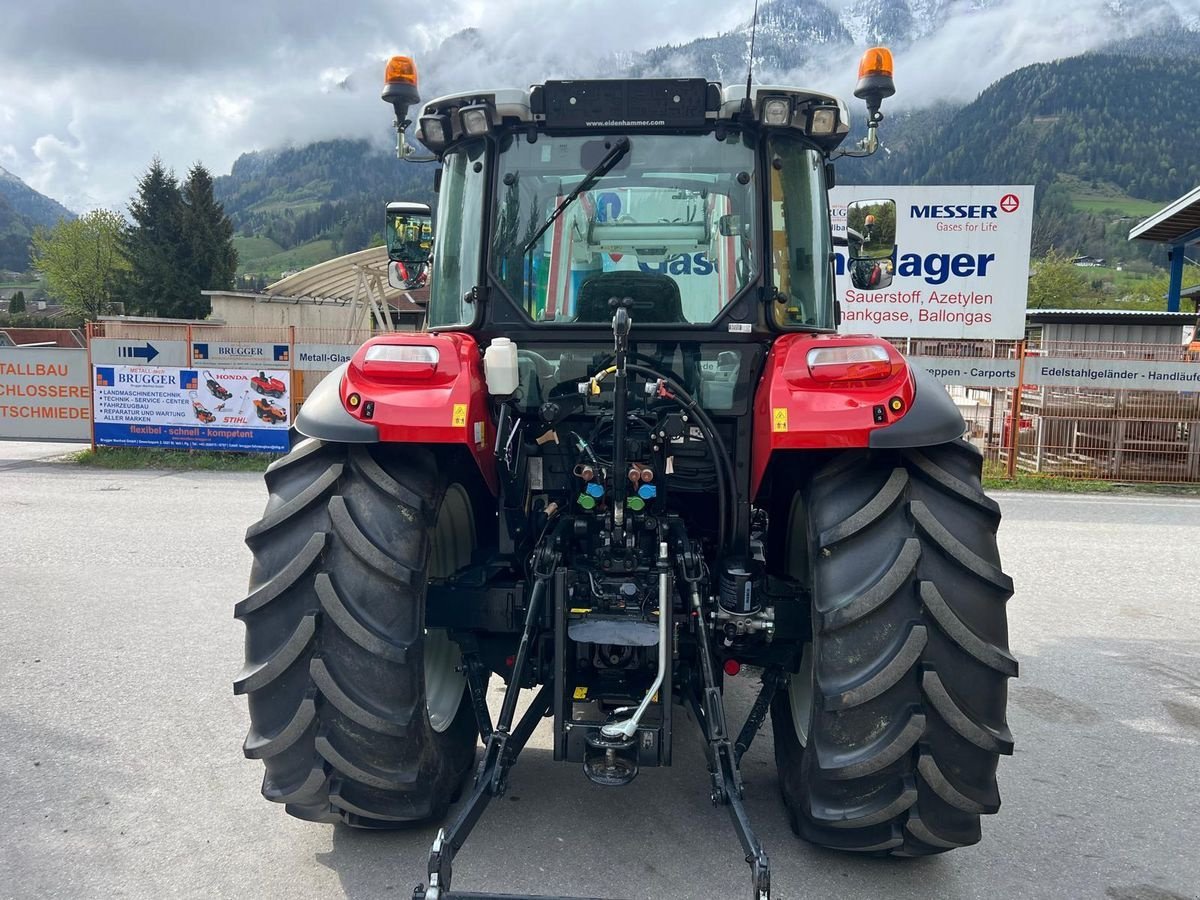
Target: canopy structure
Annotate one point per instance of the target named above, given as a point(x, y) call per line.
point(1178, 226)
point(360, 278)
point(349, 294)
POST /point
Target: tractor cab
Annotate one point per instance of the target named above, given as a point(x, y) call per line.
point(705, 206)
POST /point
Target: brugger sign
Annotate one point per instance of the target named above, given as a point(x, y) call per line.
point(960, 268)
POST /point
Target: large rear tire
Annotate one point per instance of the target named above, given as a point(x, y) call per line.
point(356, 710)
point(888, 737)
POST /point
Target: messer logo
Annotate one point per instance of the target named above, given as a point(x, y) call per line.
point(1010, 203)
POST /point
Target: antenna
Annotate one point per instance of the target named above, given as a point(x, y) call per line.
point(747, 106)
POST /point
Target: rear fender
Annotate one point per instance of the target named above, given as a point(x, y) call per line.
point(443, 403)
point(793, 411)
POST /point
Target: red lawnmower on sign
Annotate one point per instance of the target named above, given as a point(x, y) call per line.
point(630, 457)
point(269, 386)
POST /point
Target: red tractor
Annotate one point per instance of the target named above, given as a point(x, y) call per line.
point(631, 456)
point(268, 385)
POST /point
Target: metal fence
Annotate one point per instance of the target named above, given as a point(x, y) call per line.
point(1094, 430)
point(1033, 407)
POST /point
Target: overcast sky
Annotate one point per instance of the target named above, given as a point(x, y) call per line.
point(91, 90)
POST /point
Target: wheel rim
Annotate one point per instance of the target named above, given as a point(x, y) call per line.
point(450, 548)
point(800, 695)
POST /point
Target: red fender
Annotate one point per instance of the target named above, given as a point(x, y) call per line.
point(798, 407)
point(415, 401)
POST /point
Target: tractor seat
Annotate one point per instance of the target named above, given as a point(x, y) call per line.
point(655, 297)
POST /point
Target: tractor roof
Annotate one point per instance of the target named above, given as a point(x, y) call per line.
point(640, 104)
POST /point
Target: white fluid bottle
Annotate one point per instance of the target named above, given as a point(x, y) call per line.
point(500, 366)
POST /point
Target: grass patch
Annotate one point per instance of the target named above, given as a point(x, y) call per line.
point(252, 249)
point(1126, 206)
point(1101, 197)
point(996, 479)
point(297, 258)
point(176, 460)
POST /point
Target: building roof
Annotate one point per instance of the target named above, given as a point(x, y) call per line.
point(1105, 316)
point(58, 337)
point(337, 279)
point(1172, 222)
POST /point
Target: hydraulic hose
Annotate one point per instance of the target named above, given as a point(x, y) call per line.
point(724, 465)
point(726, 483)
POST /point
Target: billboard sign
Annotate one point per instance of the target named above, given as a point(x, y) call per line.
point(1133, 374)
point(44, 394)
point(1051, 371)
point(955, 265)
point(265, 355)
point(322, 357)
point(192, 409)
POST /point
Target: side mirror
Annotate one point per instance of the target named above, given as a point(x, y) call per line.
point(871, 240)
point(871, 229)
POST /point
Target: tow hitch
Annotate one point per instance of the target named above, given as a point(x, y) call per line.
point(503, 744)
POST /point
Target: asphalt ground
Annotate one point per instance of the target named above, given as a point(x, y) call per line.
point(121, 772)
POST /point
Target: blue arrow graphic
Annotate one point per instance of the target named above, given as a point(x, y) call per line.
point(147, 353)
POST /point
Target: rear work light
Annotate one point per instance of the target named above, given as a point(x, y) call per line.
point(401, 360)
point(859, 362)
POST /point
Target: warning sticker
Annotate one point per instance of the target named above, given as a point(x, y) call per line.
point(779, 418)
point(460, 416)
point(580, 693)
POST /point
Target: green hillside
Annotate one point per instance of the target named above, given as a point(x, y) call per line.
point(302, 205)
point(1105, 139)
point(22, 209)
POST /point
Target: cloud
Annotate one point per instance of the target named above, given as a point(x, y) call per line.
point(90, 91)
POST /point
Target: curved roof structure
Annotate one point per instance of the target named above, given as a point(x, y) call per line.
point(1175, 223)
point(337, 279)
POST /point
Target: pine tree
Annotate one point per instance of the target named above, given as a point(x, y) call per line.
point(17, 303)
point(208, 233)
point(158, 283)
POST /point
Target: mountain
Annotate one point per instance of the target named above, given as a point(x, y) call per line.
point(21, 210)
point(788, 33)
point(1111, 121)
point(1097, 117)
point(1091, 132)
point(327, 197)
point(805, 35)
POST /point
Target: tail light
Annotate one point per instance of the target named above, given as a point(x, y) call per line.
point(858, 362)
point(404, 362)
